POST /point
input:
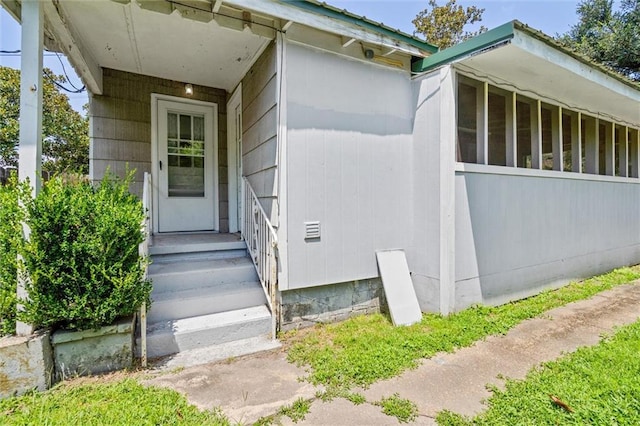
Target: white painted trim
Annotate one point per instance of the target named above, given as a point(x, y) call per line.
point(576, 142)
point(547, 174)
point(324, 23)
point(283, 186)
point(448, 135)
point(155, 98)
point(232, 171)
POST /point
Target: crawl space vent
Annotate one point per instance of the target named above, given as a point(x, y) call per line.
point(311, 230)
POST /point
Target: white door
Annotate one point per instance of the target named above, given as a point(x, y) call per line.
point(186, 167)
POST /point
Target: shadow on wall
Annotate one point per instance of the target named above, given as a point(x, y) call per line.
point(308, 117)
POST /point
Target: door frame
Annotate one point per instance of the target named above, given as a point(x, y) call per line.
point(155, 98)
point(234, 173)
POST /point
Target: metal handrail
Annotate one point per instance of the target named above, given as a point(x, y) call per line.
point(143, 251)
point(262, 243)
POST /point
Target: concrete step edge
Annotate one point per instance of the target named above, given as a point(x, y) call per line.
point(210, 321)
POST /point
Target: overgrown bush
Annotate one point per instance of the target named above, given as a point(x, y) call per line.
point(10, 237)
point(82, 256)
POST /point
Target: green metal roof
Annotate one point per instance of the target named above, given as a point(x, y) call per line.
point(368, 24)
point(484, 40)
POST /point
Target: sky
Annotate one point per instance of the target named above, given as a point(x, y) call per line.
point(549, 16)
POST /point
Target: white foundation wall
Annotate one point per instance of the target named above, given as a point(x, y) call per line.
point(519, 234)
point(349, 142)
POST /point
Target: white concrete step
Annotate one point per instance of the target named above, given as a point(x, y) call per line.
point(219, 352)
point(173, 305)
point(172, 252)
point(191, 274)
point(170, 337)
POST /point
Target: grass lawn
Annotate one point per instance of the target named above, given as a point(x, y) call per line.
point(598, 384)
point(366, 349)
point(89, 402)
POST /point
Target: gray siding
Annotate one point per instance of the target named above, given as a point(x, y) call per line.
point(120, 129)
point(516, 235)
point(348, 166)
point(259, 130)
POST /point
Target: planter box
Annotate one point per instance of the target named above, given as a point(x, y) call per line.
point(25, 364)
point(93, 351)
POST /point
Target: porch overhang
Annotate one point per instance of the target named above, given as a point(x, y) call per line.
point(205, 42)
point(526, 61)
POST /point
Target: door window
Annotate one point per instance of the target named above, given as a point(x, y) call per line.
point(185, 150)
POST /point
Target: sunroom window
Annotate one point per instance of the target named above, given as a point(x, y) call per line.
point(498, 127)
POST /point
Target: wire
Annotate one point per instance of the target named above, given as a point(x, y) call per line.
point(64, 70)
point(60, 86)
point(51, 79)
point(20, 54)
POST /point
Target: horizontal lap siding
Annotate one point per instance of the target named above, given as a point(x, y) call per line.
point(259, 130)
point(120, 130)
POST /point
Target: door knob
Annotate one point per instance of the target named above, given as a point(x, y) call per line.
point(160, 165)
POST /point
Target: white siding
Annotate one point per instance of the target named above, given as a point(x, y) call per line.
point(259, 130)
point(349, 165)
point(516, 235)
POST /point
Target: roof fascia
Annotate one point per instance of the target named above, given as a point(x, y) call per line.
point(472, 46)
point(320, 17)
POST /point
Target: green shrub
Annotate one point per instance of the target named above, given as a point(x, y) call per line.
point(82, 256)
point(10, 238)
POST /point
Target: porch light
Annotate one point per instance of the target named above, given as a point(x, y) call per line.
point(188, 89)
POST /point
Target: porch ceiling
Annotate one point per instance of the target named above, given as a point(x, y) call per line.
point(126, 37)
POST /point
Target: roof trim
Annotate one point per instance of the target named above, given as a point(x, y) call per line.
point(505, 33)
point(495, 36)
point(368, 24)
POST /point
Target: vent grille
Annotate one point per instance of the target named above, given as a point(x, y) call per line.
point(311, 230)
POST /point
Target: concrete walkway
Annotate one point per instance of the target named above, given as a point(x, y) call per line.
point(249, 388)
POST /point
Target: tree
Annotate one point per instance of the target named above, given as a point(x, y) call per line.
point(443, 26)
point(608, 36)
point(65, 132)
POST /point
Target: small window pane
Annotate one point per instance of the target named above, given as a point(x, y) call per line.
point(523, 119)
point(602, 148)
point(172, 125)
point(198, 128)
point(567, 121)
point(467, 125)
point(547, 139)
point(497, 130)
point(185, 127)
